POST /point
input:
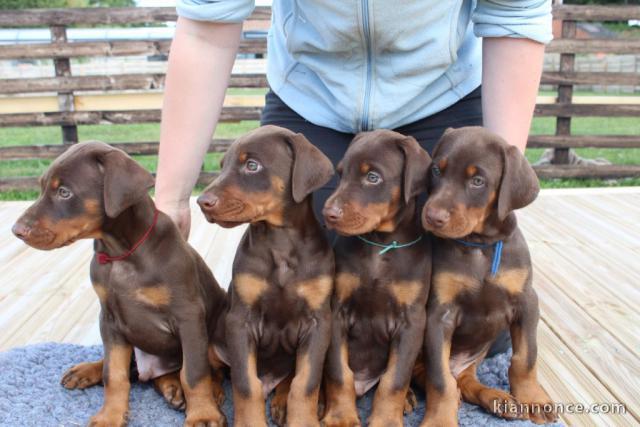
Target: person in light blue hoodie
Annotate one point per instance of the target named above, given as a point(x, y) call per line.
point(340, 67)
point(336, 68)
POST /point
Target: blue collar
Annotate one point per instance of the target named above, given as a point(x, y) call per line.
point(393, 245)
point(497, 252)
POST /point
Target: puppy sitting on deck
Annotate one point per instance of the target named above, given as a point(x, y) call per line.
point(481, 277)
point(278, 325)
point(383, 273)
point(155, 291)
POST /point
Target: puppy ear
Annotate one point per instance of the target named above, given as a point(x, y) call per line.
point(311, 168)
point(125, 182)
point(416, 168)
point(519, 186)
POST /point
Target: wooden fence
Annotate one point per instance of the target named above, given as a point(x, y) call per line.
point(60, 50)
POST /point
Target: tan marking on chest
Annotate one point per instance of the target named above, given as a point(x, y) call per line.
point(101, 291)
point(249, 287)
point(512, 281)
point(405, 291)
point(449, 285)
point(315, 291)
point(156, 296)
point(346, 284)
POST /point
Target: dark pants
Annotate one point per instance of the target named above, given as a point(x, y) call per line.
point(427, 131)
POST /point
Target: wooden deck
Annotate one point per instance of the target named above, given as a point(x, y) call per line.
point(585, 246)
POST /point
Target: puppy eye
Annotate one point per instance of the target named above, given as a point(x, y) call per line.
point(252, 166)
point(477, 181)
point(373, 178)
point(64, 192)
point(435, 171)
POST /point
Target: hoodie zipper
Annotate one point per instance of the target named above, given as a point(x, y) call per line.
point(364, 123)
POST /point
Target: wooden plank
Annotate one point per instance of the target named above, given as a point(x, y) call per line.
point(131, 148)
point(587, 110)
point(118, 16)
point(608, 46)
point(111, 82)
point(589, 78)
point(580, 141)
point(596, 12)
point(31, 182)
point(613, 364)
point(258, 46)
point(233, 114)
point(604, 305)
point(106, 49)
point(101, 16)
point(568, 381)
point(583, 172)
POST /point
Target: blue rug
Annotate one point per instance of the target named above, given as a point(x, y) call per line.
point(31, 394)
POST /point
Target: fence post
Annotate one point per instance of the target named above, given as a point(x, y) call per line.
point(565, 94)
point(65, 99)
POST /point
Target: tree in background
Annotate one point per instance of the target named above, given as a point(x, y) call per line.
point(45, 4)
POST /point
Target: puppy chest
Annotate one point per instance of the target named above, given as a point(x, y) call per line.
point(273, 296)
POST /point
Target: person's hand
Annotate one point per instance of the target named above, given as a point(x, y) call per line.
point(180, 213)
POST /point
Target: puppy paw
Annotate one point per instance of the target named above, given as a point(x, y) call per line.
point(279, 409)
point(170, 389)
point(410, 401)
point(211, 417)
point(108, 419)
point(501, 403)
point(385, 422)
point(536, 404)
point(82, 375)
point(338, 420)
point(438, 422)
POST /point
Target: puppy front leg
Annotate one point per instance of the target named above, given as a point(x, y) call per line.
point(302, 403)
point(248, 402)
point(117, 360)
point(339, 384)
point(523, 376)
point(441, 388)
point(195, 375)
point(390, 397)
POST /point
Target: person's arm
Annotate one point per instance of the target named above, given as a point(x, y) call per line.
point(200, 63)
point(511, 70)
point(514, 33)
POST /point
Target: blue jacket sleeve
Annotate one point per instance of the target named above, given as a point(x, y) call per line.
point(529, 19)
point(229, 11)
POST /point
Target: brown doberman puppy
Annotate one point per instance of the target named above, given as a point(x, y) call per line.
point(383, 274)
point(155, 291)
point(481, 277)
point(279, 320)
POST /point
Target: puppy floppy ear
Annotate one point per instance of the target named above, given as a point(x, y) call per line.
point(311, 168)
point(416, 168)
point(519, 185)
point(125, 182)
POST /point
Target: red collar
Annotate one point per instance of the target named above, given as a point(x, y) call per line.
point(104, 258)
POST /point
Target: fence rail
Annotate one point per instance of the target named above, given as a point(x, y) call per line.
point(66, 85)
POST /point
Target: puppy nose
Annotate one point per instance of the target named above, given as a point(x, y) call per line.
point(437, 217)
point(207, 201)
point(20, 230)
point(332, 213)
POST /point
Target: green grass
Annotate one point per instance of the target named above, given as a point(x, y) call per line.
point(151, 132)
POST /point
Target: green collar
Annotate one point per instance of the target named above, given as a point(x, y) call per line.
point(393, 245)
